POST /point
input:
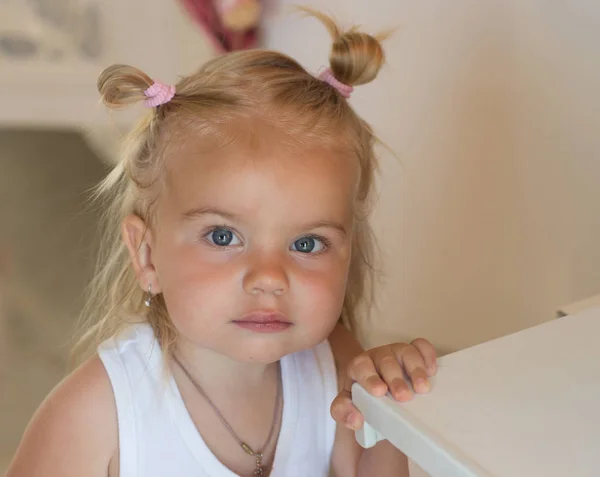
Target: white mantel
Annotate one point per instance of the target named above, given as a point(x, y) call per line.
point(46, 91)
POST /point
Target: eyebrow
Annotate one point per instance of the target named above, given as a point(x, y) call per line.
point(201, 211)
point(327, 224)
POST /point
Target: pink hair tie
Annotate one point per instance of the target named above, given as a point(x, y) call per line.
point(344, 89)
point(159, 93)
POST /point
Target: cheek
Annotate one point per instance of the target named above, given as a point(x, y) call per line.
point(190, 278)
point(324, 292)
point(199, 297)
point(319, 305)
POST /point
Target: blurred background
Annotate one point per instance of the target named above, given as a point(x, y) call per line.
point(488, 218)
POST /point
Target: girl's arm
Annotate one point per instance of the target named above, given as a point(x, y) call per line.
point(74, 432)
point(418, 360)
point(346, 451)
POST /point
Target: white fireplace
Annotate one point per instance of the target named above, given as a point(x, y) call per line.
point(52, 51)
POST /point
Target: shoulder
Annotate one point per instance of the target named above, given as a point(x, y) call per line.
point(74, 432)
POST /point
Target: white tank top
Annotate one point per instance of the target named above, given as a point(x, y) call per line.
point(157, 437)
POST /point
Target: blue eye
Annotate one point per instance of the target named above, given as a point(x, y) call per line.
point(308, 244)
point(222, 237)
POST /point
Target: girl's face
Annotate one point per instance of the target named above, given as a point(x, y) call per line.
point(252, 246)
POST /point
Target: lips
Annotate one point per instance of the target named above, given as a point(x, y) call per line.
point(265, 322)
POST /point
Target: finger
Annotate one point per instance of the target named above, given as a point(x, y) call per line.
point(362, 370)
point(392, 373)
point(429, 355)
point(345, 413)
point(414, 366)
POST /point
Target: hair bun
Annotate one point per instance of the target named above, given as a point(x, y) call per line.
point(122, 85)
point(355, 57)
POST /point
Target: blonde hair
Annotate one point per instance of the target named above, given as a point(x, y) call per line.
point(252, 84)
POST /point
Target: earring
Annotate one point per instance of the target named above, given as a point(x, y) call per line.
point(148, 300)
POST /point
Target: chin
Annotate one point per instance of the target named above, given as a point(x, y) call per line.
point(265, 354)
point(264, 351)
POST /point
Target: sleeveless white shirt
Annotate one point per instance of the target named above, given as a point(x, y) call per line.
point(157, 437)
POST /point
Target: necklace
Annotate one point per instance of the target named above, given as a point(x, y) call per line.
point(259, 471)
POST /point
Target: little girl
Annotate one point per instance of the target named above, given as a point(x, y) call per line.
point(222, 308)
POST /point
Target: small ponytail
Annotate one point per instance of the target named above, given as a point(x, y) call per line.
point(122, 85)
point(355, 57)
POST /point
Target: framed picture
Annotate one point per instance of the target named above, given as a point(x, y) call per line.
point(56, 32)
point(52, 51)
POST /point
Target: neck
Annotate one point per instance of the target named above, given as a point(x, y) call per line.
point(212, 370)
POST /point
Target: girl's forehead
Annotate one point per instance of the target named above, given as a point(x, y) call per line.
point(248, 179)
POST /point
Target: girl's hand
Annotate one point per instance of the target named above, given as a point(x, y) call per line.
point(386, 369)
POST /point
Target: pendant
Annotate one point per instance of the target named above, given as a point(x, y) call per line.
point(259, 471)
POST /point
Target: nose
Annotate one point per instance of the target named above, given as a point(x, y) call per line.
point(266, 276)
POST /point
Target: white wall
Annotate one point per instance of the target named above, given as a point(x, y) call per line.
point(491, 222)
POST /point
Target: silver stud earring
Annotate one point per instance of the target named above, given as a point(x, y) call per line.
point(148, 300)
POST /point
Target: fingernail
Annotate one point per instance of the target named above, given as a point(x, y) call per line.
point(423, 383)
point(353, 422)
point(403, 395)
point(350, 421)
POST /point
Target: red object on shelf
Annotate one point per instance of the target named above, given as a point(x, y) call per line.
point(229, 24)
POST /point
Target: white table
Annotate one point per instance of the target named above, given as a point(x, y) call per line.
point(579, 306)
point(525, 405)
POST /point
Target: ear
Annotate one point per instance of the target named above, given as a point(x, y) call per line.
point(138, 239)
